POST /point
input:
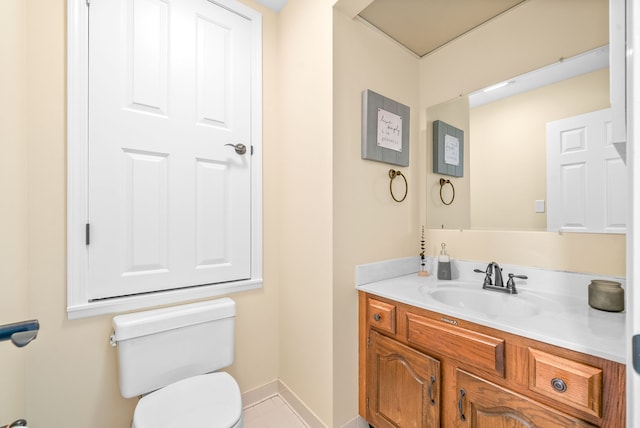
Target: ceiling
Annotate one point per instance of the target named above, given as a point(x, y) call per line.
point(422, 26)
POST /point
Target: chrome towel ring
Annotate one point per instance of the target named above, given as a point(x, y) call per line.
point(392, 175)
point(453, 190)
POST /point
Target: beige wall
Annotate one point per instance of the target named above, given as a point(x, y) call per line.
point(508, 149)
point(71, 372)
point(13, 205)
point(333, 203)
point(368, 224)
point(305, 202)
point(573, 252)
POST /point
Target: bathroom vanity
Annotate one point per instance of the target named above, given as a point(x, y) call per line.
point(425, 363)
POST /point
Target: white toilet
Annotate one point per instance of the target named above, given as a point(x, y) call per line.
point(170, 355)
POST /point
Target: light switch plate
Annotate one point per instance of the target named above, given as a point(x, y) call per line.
point(539, 205)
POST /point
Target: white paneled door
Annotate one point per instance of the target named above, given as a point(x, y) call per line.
point(169, 111)
point(586, 178)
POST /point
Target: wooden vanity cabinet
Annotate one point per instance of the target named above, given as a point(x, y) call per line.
point(418, 368)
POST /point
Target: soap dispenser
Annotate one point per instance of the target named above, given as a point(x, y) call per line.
point(444, 264)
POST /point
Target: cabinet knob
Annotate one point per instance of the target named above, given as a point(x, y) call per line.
point(376, 317)
point(558, 384)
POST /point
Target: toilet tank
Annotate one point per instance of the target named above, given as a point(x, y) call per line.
point(161, 346)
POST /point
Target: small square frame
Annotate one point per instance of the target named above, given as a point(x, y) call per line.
point(448, 149)
point(379, 111)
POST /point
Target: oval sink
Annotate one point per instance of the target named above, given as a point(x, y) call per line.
point(492, 303)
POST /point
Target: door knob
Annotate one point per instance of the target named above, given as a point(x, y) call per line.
point(240, 148)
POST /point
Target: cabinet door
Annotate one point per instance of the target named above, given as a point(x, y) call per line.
point(403, 385)
point(482, 404)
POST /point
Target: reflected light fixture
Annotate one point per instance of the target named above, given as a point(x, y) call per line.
point(497, 86)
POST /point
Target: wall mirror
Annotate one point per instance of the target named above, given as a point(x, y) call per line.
point(504, 186)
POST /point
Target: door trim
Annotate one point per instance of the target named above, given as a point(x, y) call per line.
point(631, 15)
point(78, 304)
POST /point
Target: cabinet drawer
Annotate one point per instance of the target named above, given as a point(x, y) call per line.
point(381, 315)
point(570, 382)
point(476, 349)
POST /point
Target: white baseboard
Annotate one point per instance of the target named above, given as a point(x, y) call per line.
point(259, 394)
point(277, 387)
point(298, 406)
point(356, 422)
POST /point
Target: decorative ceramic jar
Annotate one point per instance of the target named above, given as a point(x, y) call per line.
point(606, 295)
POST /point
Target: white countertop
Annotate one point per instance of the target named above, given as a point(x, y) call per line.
point(573, 324)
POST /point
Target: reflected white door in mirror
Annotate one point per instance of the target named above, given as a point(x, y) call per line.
point(586, 177)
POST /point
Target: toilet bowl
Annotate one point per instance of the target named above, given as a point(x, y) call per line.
point(211, 400)
point(170, 357)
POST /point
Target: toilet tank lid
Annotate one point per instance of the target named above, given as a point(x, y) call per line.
point(139, 324)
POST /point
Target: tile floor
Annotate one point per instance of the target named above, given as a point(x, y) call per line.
point(271, 413)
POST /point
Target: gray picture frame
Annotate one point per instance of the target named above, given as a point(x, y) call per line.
point(448, 149)
point(374, 108)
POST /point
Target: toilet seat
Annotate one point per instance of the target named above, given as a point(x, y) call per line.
point(212, 400)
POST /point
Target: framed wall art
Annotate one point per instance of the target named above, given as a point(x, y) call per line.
point(385, 129)
point(448, 149)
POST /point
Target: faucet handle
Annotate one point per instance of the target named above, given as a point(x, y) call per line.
point(487, 278)
point(511, 284)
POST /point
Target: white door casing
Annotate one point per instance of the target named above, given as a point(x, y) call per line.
point(172, 87)
point(586, 178)
point(633, 237)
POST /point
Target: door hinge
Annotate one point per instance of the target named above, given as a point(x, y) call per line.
point(635, 347)
point(367, 402)
point(368, 341)
point(251, 150)
point(87, 234)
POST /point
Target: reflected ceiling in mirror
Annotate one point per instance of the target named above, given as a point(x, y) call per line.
point(587, 62)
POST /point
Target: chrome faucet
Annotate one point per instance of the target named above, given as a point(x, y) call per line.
point(494, 270)
point(497, 270)
point(491, 268)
